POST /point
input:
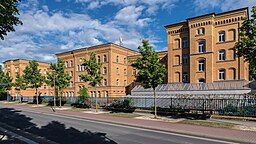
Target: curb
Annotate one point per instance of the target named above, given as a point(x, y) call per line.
point(233, 118)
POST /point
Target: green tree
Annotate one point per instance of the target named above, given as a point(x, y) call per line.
point(83, 95)
point(33, 77)
point(58, 78)
point(6, 79)
point(93, 74)
point(246, 46)
point(8, 16)
point(151, 71)
point(19, 83)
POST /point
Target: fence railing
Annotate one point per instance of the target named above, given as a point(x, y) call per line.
point(245, 106)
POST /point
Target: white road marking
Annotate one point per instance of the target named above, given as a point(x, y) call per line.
point(18, 136)
point(133, 127)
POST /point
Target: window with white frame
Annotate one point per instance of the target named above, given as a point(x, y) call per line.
point(81, 60)
point(45, 72)
point(125, 60)
point(125, 72)
point(201, 65)
point(71, 63)
point(125, 83)
point(71, 84)
point(99, 95)
point(105, 82)
point(117, 71)
point(222, 74)
point(185, 77)
point(184, 59)
point(104, 70)
point(91, 94)
point(201, 47)
point(134, 72)
point(117, 59)
point(98, 59)
point(221, 55)
point(185, 42)
point(71, 73)
point(40, 71)
point(106, 93)
point(66, 64)
point(222, 36)
point(105, 58)
point(117, 82)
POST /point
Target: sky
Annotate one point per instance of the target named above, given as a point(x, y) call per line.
point(54, 26)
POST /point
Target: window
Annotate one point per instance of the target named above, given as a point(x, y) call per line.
point(78, 68)
point(201, 80)
point(44, 86)
point(177, 60)
point(40, 71)
point(104, 70)
point(71, 84)
point(105, 58)
point(177, 43)
point(105, 82)
point(185, 77)
point(71, 73)
point(125, 60)
point(185, 60)
point(201, 66)
point(185, 42)
point(117, 82)
point(106, 93)
point(71, 63)
point(200, 31)
point(124, 82)
point(66, 64)
point(134, 72)
point(117, 59)
point(94, 94)
point(98, 59)
point(72, 94)
point(81, 60)
point(66, 94)
point(99, 94)
point(125, 72)
point(221, 55)
point(222, 74)
point(222, 36)
point(91, 94)
point(45, 72)
point(177, 77)
point(201, 47)
point(117, 71)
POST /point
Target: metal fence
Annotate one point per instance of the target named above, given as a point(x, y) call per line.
point(235, 107)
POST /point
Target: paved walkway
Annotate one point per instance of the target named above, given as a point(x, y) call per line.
point(219, 133)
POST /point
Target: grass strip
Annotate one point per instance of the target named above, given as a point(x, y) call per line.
point(208, 124)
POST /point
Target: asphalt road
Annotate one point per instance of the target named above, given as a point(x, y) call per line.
point(62, 129)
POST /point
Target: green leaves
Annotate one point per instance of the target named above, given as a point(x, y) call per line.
point(5, 78)
point(8, 16)
point(19, 82)
point(92, 67)
point(246, 46)
point(32, 75)
point(151, 71)
point(58, 75)
point(83, 95)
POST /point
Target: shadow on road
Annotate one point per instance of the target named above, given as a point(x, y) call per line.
point(54, 131)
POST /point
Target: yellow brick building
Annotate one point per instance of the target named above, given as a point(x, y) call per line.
point(116, 70)
point(201, 49)
point(17, 66)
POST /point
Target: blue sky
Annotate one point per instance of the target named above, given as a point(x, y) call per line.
point(53, 26)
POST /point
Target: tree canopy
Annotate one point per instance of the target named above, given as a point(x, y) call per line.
point(8, 16)
point(246, 46)
point(151, 71)
point(5, 78)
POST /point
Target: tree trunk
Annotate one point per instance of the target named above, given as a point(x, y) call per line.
point(36, 97)
point(54, 98)
point(155, 116)
point(96, 99)
point(60, 96)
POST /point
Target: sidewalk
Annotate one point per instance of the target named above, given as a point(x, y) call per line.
point(202, 131)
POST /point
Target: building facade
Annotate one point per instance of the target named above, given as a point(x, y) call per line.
point(116, 69)
point(201, 49)
point(13, 67)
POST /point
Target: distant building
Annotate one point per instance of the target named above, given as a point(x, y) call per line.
point(201, 49)
point(17, 66)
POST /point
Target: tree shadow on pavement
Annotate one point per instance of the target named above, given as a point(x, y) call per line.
point(53, 131)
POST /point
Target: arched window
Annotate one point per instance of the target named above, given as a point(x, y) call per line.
point(105, 58)
point(117, 59)
point(177, 43)
point(232, 35)
point(104, 70)
point(201, 65)
point(201, 46)
point(177, 76)
point(221, 36)
point(66, 64)
point(221, 74)
point(222, 55)
point(98, 59)
point(232, 73)
point(177, 60)
point(71, 63)
point(105, 82)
